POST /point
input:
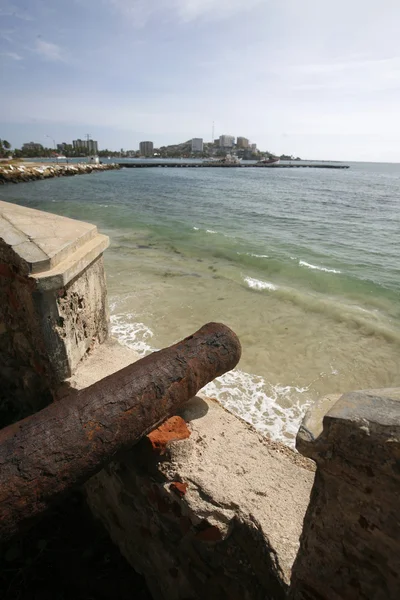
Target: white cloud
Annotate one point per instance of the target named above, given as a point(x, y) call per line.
point(352, 76)
point(12, 55)
point(10, 10)
point(141, 11)
point(346, 65)
point(189, 10)
point(49, 51)
point(7, 35)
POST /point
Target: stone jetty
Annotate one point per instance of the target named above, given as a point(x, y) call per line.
point(17, 173)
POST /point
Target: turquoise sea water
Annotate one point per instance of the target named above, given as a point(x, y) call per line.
point(304, 264)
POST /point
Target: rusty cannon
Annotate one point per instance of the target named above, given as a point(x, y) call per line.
point(45, 455)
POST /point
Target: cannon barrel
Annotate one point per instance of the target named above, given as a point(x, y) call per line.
point(45, 455)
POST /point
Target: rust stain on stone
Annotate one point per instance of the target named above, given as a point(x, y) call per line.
point(5, 271)
point(209, 534)
point(179, 488)
point(172, 430)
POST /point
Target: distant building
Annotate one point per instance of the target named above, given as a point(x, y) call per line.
point(31, 146)
point(61, 147)
point(146, 148)
point(253, 147)
point(226, 141)
point(86, 145)
point(92, 146)
point(197, 145)
point(242, 142)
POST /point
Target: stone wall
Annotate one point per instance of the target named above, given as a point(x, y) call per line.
point(25, 371)
point(350, 545)
point(204, 507)
point(53, 305)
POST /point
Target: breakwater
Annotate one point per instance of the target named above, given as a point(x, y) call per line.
point(20, 173)
point(152, 164)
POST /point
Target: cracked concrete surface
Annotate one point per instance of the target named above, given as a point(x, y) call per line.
point(219, 512)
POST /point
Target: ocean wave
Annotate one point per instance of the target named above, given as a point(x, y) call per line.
point(211, 231)
point(252, 254)
point(132, 333)
point(257, 284)
point(369, 322)
point(273, 410)
point(196, 228)
point(303, 263)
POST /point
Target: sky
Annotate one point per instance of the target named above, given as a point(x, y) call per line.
point(317, 79)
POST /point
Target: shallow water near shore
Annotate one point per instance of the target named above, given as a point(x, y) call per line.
point(303, 264)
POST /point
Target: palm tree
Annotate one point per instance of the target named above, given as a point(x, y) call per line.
point(6, 145)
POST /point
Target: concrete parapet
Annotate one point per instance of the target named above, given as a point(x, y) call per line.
point(203, 506)
point(350, 546)
point(52, 303)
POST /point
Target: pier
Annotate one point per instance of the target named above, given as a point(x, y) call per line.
point(193, 165)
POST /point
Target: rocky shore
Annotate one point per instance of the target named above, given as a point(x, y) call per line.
point(23, 172)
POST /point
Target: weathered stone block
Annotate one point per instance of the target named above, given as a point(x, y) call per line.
point(53, 305)
point(350, 546)
point(205, 507)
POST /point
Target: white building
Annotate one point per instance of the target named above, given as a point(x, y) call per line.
point(197, 145)
point(226, 141)
point(254, 147)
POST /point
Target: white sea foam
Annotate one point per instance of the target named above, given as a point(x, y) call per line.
point(303, 263)
point(211, 231)
point(257, 284)
point(273, 410)
point(252, 254)
point(131, 333)
point(196, 228)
